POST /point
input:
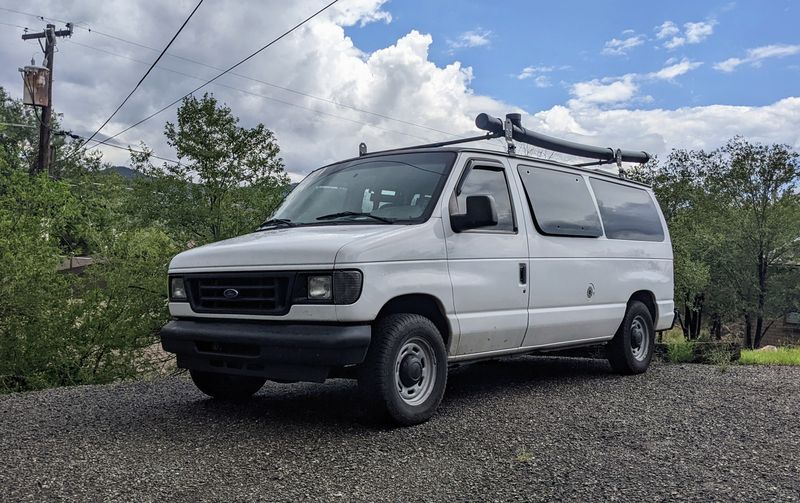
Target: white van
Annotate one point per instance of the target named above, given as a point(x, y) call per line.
point(391, 266)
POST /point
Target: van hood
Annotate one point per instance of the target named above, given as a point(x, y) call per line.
point(313, 245)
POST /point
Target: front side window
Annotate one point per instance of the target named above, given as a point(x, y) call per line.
point(627, 212)
point(492, 182)
point(560, 202)
point(390, 189)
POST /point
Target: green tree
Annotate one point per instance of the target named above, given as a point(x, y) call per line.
point(759, 207)
point(734, 218)
point(229, 179)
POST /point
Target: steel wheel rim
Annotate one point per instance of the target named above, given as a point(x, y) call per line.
point(418, 392)
point(638, 326)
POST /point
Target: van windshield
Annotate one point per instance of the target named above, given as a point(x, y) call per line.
point(389, 189)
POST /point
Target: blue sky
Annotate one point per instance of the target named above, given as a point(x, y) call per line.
point(570, 37)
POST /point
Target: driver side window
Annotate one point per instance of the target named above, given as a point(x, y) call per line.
point(484, 180)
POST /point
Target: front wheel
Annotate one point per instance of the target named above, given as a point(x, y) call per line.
point(631, 349)
point(405, 372)
point(226, 386)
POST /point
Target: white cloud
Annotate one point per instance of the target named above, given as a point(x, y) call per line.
point(693, 33)
point(603, 92)
point(667, 29)
point(620, 47)
point(472, 38)
point(697, 32)
point(531, 71)
point(756, 55)
point(539, 75)
point(618, 91)
point(675, 70)
point(542, 81)
point(658, 131)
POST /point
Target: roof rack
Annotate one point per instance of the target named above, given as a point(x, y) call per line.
point(512, 130)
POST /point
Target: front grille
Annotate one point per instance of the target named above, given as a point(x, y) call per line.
point(240, 293)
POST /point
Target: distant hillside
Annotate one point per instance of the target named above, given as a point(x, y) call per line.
point(123, 171)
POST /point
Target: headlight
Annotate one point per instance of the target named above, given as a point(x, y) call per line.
point(337, 287)
point(177, 289)
point(320, 287)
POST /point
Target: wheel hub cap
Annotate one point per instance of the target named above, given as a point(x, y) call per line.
point(410, 370)
point(415, 371)
point(636, 337)
point(640, 339)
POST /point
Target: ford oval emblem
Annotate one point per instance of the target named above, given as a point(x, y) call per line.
point(230, 293)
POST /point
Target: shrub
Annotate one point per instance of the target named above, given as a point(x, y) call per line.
point(680, 351)
point(61, 329)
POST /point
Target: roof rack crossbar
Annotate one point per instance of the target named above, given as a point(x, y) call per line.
point(486, 136)
point(520, 134)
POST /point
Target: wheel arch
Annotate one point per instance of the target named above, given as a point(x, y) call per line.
point(424, 305)
point(647, 298)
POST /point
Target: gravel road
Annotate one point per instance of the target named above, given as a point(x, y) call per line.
point(530, 429)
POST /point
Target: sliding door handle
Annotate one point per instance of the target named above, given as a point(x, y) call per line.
point(523, 274)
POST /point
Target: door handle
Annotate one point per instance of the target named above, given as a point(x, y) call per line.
point(523, 274)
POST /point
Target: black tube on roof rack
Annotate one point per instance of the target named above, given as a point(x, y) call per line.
point(496, 126)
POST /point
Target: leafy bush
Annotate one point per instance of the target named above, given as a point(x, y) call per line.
point(61, 328)
point(680, 351)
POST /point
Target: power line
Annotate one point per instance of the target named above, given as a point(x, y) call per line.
point(14, 25)
point(147, 72)
point(287, 89)
point(248, 58)
point(252, 93)
point(276, 86)
point(115, 145)
point(270, 84)
point(17, 125)
point(129, 149)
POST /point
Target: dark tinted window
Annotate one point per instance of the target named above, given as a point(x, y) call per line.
point(560, 202)
point(627, 212)
point(488, 181)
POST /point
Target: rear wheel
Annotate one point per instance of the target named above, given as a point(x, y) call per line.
point(226, 386)
point(405, 372)
point(631, 349)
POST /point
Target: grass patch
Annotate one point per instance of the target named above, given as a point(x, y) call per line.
point(524, 457)
point(783, 356)
point(679, 350)
point(720, 357)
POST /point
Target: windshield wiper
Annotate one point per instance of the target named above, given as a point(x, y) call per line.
point(354, 214)
point(277, 222)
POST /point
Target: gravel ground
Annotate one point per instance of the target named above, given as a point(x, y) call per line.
point(526, 429)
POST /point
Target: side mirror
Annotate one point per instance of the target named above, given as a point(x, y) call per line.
point(481, 212)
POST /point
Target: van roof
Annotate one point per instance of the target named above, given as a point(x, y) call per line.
point(460, 149)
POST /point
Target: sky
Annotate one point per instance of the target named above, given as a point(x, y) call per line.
point(651, 76)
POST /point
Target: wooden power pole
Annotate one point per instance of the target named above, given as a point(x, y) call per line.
point(49, 34)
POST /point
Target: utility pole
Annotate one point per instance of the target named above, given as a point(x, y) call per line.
point(49, 34)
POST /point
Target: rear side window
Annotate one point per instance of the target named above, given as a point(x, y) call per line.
point(560, 202)
point(627, 212)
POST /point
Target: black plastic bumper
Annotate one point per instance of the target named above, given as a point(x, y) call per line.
point(275, 351)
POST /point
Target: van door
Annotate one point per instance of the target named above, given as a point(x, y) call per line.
point(488, 266)
point(574, 276)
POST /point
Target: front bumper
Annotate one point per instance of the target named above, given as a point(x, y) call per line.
point(289, 352)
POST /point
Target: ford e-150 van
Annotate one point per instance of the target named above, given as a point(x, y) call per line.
point(394, 265)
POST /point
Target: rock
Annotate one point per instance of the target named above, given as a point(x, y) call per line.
point(767, 349)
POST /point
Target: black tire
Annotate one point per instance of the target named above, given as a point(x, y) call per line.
point(624, 355)
point(225, 386)
point(386, 376)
